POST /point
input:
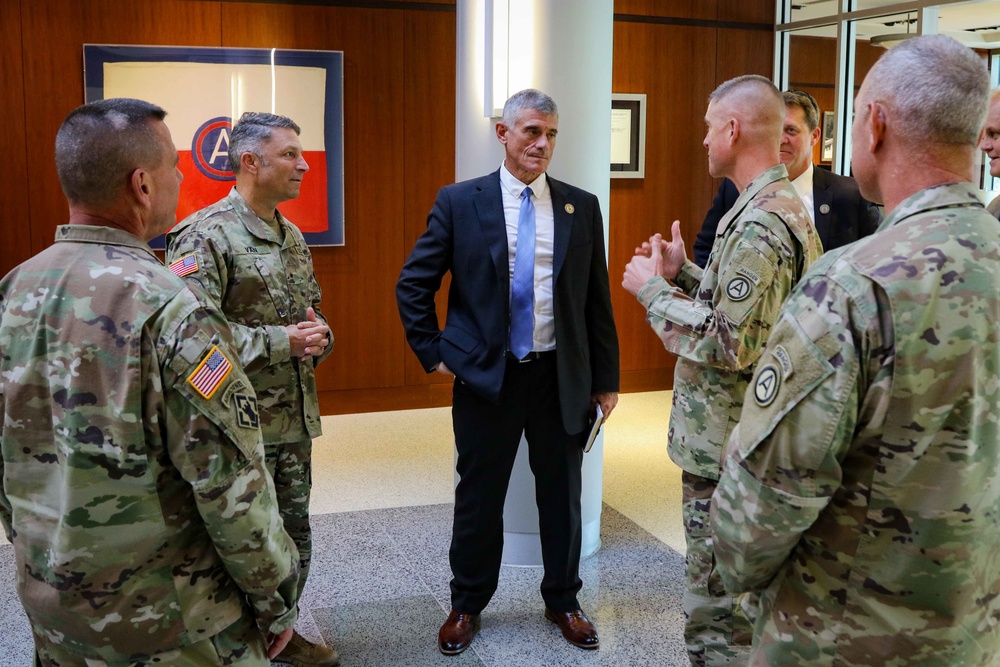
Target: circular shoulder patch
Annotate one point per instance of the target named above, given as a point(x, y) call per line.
point(765, 387)
point(738, 288)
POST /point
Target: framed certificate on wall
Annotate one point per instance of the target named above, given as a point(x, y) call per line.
point(628, 135)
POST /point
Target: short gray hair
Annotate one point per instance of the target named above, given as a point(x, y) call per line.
point(937, 89)
point(100, 144)
point(252, 130)
point(529, 98)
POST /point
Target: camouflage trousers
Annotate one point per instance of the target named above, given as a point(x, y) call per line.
point(241, 644)
point(718, 628)
point(290, 464)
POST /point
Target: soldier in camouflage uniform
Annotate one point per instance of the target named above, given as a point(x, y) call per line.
point(716, 321)
point(861, 489)
point(990, 144)
point(144, 523)
point(255, 265)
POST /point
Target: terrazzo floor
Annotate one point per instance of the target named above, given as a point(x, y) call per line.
point(378, 590)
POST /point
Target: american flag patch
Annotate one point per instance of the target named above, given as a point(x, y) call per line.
point(210, 373)
point(185, 265)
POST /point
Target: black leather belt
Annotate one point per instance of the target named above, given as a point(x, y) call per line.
point(532, 356)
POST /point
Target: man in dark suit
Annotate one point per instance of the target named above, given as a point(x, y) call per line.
point(531, 341)
point(841, 215)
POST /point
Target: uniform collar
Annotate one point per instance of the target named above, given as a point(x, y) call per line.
point(946, 195)
point(101, 235)
point(251, 221)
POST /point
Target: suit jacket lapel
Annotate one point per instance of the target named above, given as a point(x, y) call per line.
point(563, 221)
point(489, 209)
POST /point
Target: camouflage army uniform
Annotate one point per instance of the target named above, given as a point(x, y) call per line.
point(263, 284)
point(861, 492)
point(134, 486)
point(716, 321)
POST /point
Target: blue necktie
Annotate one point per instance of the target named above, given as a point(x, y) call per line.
point(522, 293)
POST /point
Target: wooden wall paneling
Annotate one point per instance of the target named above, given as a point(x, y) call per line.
point(15, 225)
point(54, 32)
point(865, 55)
point(812, 61)
point(748, 12)
point(744, 52)
point(681, 9)
point(669, 64)
point(357, 279)
point(428, 151)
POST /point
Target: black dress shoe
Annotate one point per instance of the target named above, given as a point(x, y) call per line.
point(575, 627)
point(457, 632)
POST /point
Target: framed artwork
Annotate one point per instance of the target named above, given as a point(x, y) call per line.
point(628, 135)
point(205, 90)
point(826, 143)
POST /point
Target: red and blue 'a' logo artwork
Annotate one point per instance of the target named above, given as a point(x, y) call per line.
point(208, 177)
point(210, 149)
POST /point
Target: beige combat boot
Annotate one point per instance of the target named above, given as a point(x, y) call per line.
point(301, 652)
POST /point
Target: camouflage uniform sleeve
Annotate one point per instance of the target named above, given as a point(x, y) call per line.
point(728, 326)
point(215, 443)
point(800, 413)
point(317, 296)
point(689, 277)
point(259, 346)
point(6, 511)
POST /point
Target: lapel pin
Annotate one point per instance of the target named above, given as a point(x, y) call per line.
point(824, 209)
point(569, 208)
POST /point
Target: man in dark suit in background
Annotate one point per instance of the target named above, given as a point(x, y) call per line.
point(841, 215)
point(531, 341)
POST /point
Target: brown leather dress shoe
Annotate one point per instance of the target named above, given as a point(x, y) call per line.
point(575, 627)
point(457, 632)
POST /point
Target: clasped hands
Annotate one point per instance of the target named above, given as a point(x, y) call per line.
point(655, 257)
point(309, 338)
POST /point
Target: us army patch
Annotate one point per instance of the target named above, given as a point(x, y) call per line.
point(235, 387)
point(766, 385)
point(781, 354)
point(210, 373)
point(745, 271)
point(738, 288)
point(246, 411)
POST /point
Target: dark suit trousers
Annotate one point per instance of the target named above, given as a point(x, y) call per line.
point(487, 436)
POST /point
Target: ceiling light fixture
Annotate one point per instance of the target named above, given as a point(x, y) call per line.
point(890, 40)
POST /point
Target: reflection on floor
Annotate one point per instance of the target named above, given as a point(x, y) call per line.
point(382, 522)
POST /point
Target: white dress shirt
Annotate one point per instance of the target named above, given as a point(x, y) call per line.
point(510, 189)
point(804, 186)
